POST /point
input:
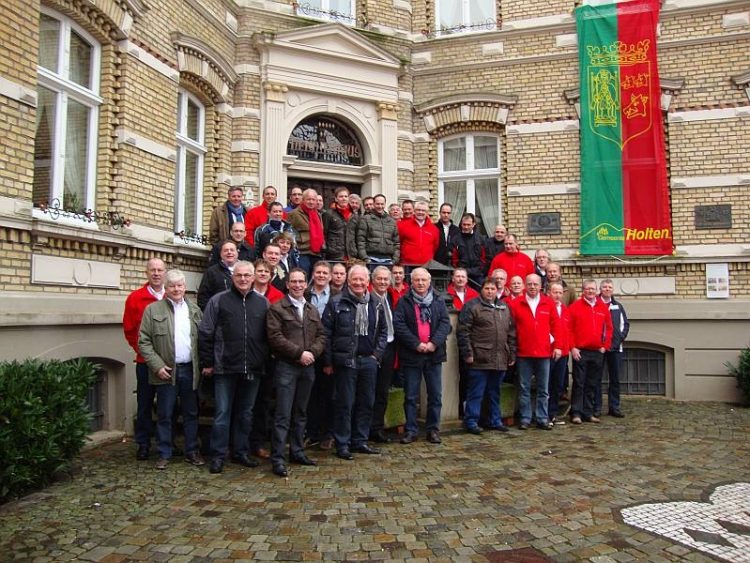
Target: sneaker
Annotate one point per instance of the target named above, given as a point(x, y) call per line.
point(576, 420)
point(558, 421)
point(594, 419)
point(194, 458)
point(161, 465)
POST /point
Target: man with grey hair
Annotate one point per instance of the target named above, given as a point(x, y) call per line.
point(234, 351)
point(356, 336)
point(422, 325)
point(309, 226)
point(168, 341)
point(381, 282)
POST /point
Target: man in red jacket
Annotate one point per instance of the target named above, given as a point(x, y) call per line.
point(512, 260)
point(135, 305)
point(589, 337)
point(536, 320)
point(419, 237)
point(258, 215)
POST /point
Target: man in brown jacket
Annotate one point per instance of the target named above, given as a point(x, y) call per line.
point(296, 338)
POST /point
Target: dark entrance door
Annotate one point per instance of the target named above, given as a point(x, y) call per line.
point(322, 187)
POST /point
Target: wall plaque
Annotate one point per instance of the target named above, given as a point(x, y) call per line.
point(713, 216)
point(544, 223)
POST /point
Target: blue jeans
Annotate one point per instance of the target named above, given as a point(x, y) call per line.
point(479, 382)
point(166, 396)
point(540, 368)
point(145, 393)
point(433, 374)
point(235, 397)
point(558, 382)
point(293, 385)
point(354, 394)
point(613, 361)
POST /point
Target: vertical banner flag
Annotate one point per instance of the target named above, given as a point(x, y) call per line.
point(624, 192)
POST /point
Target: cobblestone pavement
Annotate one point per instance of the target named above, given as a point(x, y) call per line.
point(554, 495)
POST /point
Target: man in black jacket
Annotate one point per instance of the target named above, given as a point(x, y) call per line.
point(448, 233)
point(422, 326)
point(218, 277)
point(355, 329)
point(468, 251)
point(233, 348)
point(614, 356)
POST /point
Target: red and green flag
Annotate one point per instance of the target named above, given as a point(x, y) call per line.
point(624, 191)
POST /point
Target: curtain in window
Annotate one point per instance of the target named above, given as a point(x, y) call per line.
point(44, 141)
point(485, 152)
point(80, 60)
point(49, 42)
point(454, 154)
point(455, 194)
point(76, 150)
point(486, 192)
point(449, 14)
point(190, 202)
point(481, 11)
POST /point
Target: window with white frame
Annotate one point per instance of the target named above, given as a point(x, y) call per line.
point(469, 178)
point(344, 11)
point(458, 16)
point(191, 152)
point(67, 115)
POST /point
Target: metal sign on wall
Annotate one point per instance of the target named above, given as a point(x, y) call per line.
point(321, 138)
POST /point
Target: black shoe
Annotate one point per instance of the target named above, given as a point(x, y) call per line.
point(597, 415)
point(217, 465)
point(344, 454)
point(246, 460)
point(380, 437)
point(547, 426)
point(617, 413)
point(474, 430)
point(142, 453)
point(302, 459)
point(409, 437)
point(500, 428)
point(365, 449)
point(280, 470)
point(433, 437)
point(523, 426)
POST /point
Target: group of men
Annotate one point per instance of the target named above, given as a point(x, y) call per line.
point(299, 329)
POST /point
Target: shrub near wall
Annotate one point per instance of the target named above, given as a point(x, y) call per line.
point(43, 420)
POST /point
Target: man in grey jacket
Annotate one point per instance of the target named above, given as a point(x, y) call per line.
point(377, 236)
point(168, 342)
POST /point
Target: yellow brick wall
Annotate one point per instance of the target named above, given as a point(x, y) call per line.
point(525, 9)
point(543, 158)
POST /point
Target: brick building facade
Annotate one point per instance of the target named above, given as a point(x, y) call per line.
point(146, 112)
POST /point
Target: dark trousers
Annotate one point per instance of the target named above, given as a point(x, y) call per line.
point(263, 410)
point(321, 406)
point(558, 382)
point(382, 387)
point(145, 393)
point(293, 385)
point(355, 395)
point(235, 397)
point(587, 375)
point(166, 397)
point(613, 361)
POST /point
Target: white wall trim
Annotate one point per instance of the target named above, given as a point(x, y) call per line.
point(424, 57)
point(405, 96)
point(145, 144)
point(566, 40)
point(532, 190)
point(712, 250)
point(148, 59)
point(413, 137)
point(682, 4)
point(247, 69)
point(721, 181)
point(493, 48)
point(250, 181)
point(17, 92)
point(246, 146)
point(241, 111)
point(709, 114)
point(544, 21)
point(56, 270)
point(406, 165)
point(543, 127)
point(404, 5)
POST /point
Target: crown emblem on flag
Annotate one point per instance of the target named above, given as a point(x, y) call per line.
point(619, 53)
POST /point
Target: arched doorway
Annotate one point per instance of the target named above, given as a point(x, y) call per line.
point(325, 152)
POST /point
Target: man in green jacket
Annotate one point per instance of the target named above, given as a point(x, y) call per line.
point(168, 342)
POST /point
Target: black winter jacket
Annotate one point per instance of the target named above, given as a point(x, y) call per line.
point(232, 337)
point(341, 342)
point(405, 327)
point(217, 278)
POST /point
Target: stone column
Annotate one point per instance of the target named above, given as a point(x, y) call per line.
point(387, 115)
point(273, 142)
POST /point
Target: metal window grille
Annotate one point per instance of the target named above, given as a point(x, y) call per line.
point(643, 373)
point(95, 402)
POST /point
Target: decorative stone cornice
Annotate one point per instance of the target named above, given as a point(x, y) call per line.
point(111, 18)
point(464, 108)
point(275, 92)
point(197, 58)
point(388, 110)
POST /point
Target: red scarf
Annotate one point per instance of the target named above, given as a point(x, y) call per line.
point(346, 213)
point(316, 229)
